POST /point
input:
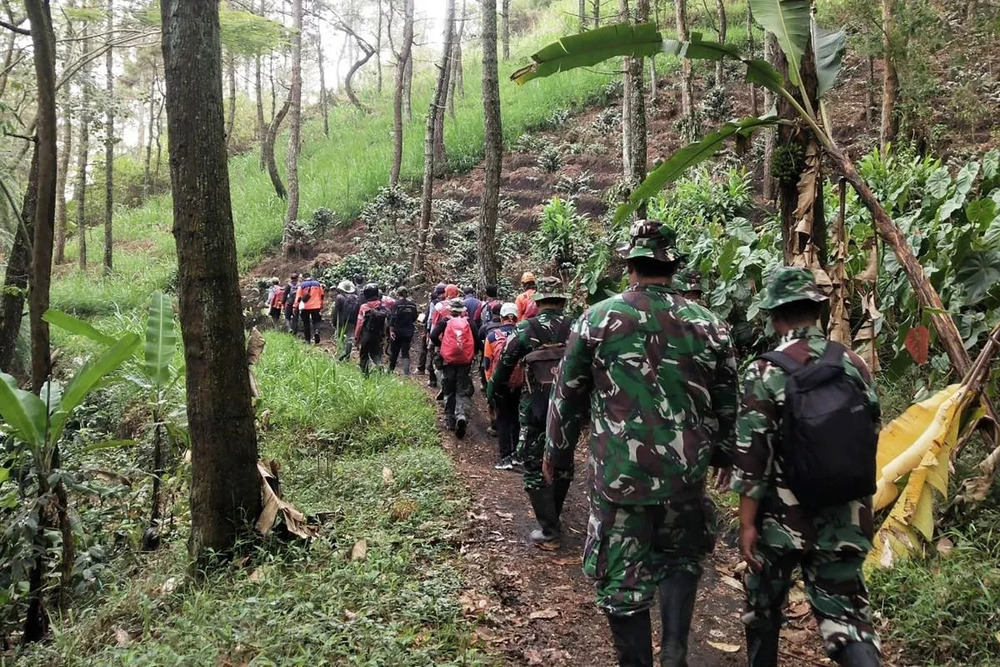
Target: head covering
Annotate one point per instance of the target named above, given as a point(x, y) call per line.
point(276, 280)
point(439, 289)
point(508, 310)
point(371, 291)
point(403, 291)
point(651, 239)
point(548, 290)
point(456, 305)
point(451, 291)
point(527, 277)
point(790, 284)
point(294, 276)
point(687, 280)
point(346, 286)
point(469, 289)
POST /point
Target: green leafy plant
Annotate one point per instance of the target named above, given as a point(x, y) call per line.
point(550, 159)
point(564, 237)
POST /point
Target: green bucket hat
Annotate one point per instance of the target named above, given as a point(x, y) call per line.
point(652, 239)
point(548, 290)
point(687, 280)
point(789, 284)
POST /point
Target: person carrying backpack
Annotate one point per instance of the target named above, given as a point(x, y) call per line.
point(275, 301)
point(453, 337)
point(402, 325)
point(490, 310)
point(369, 332)
point(525, 301)
point(288, 301)
point(425, 349)
point(654, 377)
point(345, 316)
point(805, 471)
point(309, 303)
point(537, 344)
point(687, 283)
point(507, 396)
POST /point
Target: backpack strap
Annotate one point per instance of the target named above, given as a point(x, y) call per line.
point(782, 361)
point(833, 352)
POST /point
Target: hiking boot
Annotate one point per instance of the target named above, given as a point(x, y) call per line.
point(460, 427)
point(560, 488)
point(505, 464)
point(491, 431)
point(633, 639)
point(859, 654)
point(544, 540)
point(440, 396)
point(432, 384)
point(546, 536)
point(762, 643)
point(677, 598)
point(449, 423)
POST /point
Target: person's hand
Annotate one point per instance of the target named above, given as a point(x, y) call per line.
point(722, 478)
point(748, 540)
point(548, 470)
point(392, 335)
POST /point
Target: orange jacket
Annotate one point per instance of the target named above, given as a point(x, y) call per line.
point(310, 295)
point(522, 302)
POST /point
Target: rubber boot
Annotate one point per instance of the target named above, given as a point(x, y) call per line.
point(859, 654)
point(677, 597)
point(406, 366)
point(546, 536)
point(762, 644)
point(316, 338)
point(560, 488)
point(633, 639)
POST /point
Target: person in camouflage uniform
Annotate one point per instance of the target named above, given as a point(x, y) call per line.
point(656, 374)
point(549, 328)
point(776, 532)
point(687, 283)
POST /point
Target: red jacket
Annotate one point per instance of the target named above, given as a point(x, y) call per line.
point(365, 307)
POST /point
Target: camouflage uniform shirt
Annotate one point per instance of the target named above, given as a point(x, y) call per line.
point(757, 471)
point(658, 375)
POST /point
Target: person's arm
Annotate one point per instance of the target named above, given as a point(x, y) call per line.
point(513, 352)
point(360, 323)
point(437, 332)
point(569, 406)
point(725, 398)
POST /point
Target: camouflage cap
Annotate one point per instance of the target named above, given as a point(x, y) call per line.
point(548, 290)
point(456, 305)
point(652, 239)
point(789, 284)
point(687, 280)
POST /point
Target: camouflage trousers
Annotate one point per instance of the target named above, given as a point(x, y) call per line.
point(834, 587)
point(630, 549)
point(531, 448)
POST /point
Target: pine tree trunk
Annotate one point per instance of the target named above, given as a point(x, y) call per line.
point(720, 8)
point(43, 42)
point(405, 56)
point(408, 88)
point(272, 135)
point(687, 88)
point(147, 175)
point(582, 15)
point(225, 486)
point(15, 284)
point(890, 79)
point(493, 149)
point(378, 50)
point(597, 13)
point(323, 108)
point(109, 150)
point(66, 149)
point(439, 147)
point(770, 134)
point(754, 102)
point(261, 123)
point(437, 101)
point(294, 124)
point(505, 28)
point(366, 54)
point(634, 108)
point(83, 157)
point(231, 111)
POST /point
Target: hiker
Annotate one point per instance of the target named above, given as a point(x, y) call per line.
point(369, 332)
point(345, 317)
point(402, 321)
point(473, 306)
point(490, 310)
point(654, 378)
point(453, 336)
point(538, 343)
point(309, 303)
point(506, 396)
point(291, 313)
point(441, 311)
point(805, 487)
point(526, 306)
point(275, 301)
point(425, 349)
point(687, 283)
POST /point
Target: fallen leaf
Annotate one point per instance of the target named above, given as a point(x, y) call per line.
point(944, 546)
point(256, 576)
point(387, 475)
point(796, 595)
point(917, 343)
point(544, 614)
point(534, 657)
point(350, 615)
point(732, 582)
point(798, 609)
point(506, 516)
point(294, 520)
point(121, 636)
point(360, 550)
point(726, 648)
point(169, 586)
point(740, 568)
point(567, 561)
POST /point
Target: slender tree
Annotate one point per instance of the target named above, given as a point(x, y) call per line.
point(890, 78)
point(448, 72)
point(405, 53)
point(597, 13)
point(505, 27)
point(65, 148)
point(378, 49)
point(437, 102)
point(294, 123)
point(231, 107)
point(634, 108)
point(268, 148)
point(323, 101)
point(147, 174)
point(492, 147)
point(109, 146)
point(770, 134)
point(720, 9)
point(687, 86)
point(225, 487)
point(15, 284)
point(582, 15)
point(83, 155)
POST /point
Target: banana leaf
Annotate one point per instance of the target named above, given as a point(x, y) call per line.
point(828, 47)
point(23, 411)
point(789, 21)
point(161, 340)
point(76, 326)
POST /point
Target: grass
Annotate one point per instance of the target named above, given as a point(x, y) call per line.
point(298, 604)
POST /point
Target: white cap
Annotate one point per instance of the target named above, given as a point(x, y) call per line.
point(508, 310)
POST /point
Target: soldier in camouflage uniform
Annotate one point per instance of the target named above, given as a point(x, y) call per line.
point(687, 283)
point(776, 532)
point(550, 327)
point(656, 374)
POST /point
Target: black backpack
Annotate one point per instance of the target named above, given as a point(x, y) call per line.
point(351, 306)
point(405, 314)
point(373, 329)
point(542, 364)
point(828, 438)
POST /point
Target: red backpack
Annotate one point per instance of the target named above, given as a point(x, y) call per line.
point(278, 299)
point(457, 344)
point(501, 339)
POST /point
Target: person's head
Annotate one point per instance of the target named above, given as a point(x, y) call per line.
point(346, 286)
point(527, 280)
point(469, 290)
point(293, 278)
point(359, 279)
point(687, 282)
point(275, 281)
point(548, 296)
point(492, 291)
point(457, 307)
point(403, 291)
point(508, 313)
point(306, 276)
point(651, 255)
point(451, 291)
point(793, 299)
point(371, 292)
point(439, 290)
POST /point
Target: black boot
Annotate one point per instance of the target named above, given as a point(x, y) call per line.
point(762, 643)
point(633, 639)
point(677, 597)
point(859, 654)
point(546, 536)
point(560, 487)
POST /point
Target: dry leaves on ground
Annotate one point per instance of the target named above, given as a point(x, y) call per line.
point(544, 614)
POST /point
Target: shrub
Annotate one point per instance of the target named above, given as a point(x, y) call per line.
point(564, 237)
point(574, 185)
point(715, 106)
point(608, 121)
point(550, 159)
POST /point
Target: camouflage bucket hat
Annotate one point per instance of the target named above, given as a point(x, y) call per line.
point(687, 280)
point(652, 239)
point(548, 290)
point(789, 284)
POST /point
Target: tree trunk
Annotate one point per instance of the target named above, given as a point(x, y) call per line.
point(405, 54)
point(323, 109)
point(408, 87)
point(109, 150)
point(83, 156)
point(225, 486)
point(890, 79)
point(582, 15)
point(367, 52)
point(870, 93)
point(294, 124)
point(65, 149)
point(754, 102)
point(720, 8)
point(378, 50)
point(687, 88)
point(272, 135)
point(231, 111)
point(770, 134)
point(147, 175)
point(437, 101)
point(15, 284)
point(505, 28)
point(261, 125)
point(634, 109)
point(492, 148)
point(597, 13)
point(439, 148)
point(43, 42)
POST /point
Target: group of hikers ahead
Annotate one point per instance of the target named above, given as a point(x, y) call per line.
point(651, 375)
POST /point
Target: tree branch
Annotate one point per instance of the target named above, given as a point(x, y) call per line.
point(14, 28)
